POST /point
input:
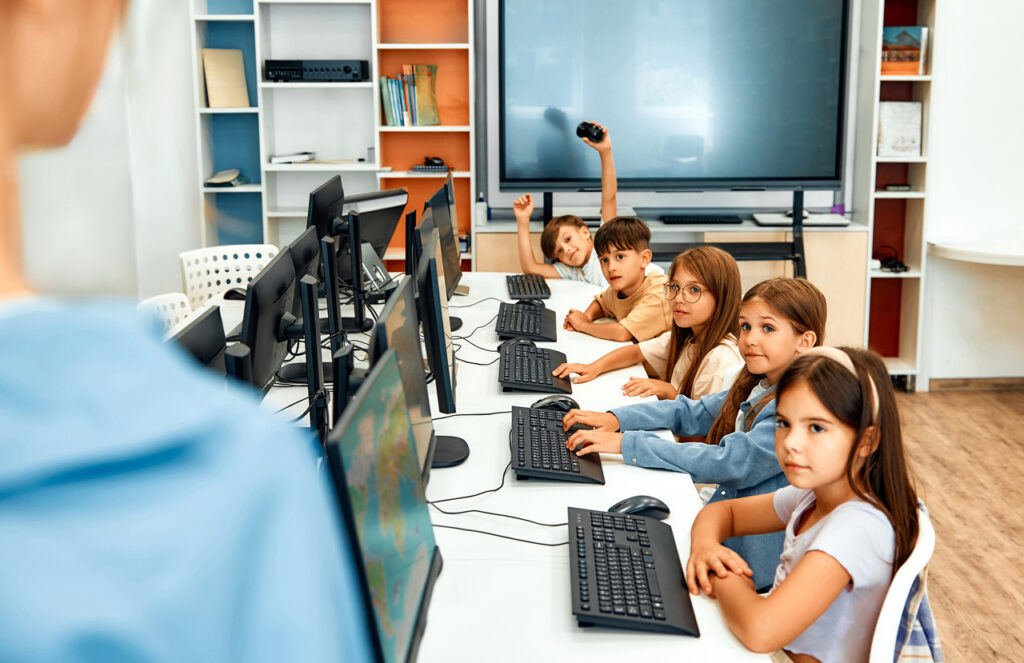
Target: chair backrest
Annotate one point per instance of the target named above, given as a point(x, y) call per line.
point(171, 308)
point(211, 271)
point(883, 644)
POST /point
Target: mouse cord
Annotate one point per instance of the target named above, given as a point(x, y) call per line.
point(471, 414)
point(501, 515)
point(474, 303)
point(475, 329)
point(504, 472)
point(502, 536)
point(479, 347)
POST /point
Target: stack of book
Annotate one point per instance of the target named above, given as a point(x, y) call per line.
point(409, 100)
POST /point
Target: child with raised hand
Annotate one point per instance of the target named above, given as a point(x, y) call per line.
point(850, 515)
point(566, 240)
point(635, 299)
point(693, 358)
point(780, 319)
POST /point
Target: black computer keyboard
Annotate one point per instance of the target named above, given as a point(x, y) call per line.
point(538, 448)
point(624, 572)
point(526, 368)
point(527, 286)
point(526, 321)
point(692, 219)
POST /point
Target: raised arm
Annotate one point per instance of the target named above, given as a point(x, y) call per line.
point(523, 208)
point(609, 183)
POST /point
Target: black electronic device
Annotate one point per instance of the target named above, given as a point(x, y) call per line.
point(203, 338)
point(624, 572)
point(397, 558)
point(341, 370)
point(314, 367)
point(537, 443)
point(590, 131)
point(700, 219)
point(379, 214)
point(412, 245)
point(234, 294)
point(559, 402)
point(442, 205)
point(238, 363)
point(527, 286)
point(525, 321)
point(525, 367)
point(641, 505)
point(305, 253)
point(433, 313)
point(318, 71)
point(268, 300)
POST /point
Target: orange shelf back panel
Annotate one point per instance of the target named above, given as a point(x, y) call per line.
point(890, 225)
point(402, 151)
point(452, 85)
point(420, 190)
point(416, 21)
point(884, 324)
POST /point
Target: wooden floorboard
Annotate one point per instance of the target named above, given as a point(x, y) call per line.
point(967, 452)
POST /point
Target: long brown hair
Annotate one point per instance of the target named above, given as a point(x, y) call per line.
point(883, 479)
point(801, 304)
point(718, 272)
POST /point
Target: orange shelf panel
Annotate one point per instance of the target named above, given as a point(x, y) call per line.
point(415, 21)
point(890, 225)
point(419, 191)
point(402, 151)
point(452, 85)
point(884, 323)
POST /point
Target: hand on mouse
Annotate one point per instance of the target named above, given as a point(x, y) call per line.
point(710, 556)
point(599, 420)
point(594, 441)
point(586, 372)
point(648, 387)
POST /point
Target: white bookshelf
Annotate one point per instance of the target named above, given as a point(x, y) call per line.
point(895, 299)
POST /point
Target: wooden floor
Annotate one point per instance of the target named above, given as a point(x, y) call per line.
point(967, 451)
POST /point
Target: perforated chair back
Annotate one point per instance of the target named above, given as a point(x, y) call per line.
point(211, 271)
point(171, 308)
point(883, 644)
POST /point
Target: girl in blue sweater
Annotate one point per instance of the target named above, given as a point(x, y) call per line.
point(779, 319)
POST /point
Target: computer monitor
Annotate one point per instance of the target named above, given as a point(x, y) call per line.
point(305, 252)
point(437, 335)
point(379, 214)
point(372, 458)
point(203, 337)
point(269, 296)
point(325, 205)
point(442, 205)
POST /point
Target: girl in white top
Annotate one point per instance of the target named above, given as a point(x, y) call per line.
point(693, 358)
point(849, 514)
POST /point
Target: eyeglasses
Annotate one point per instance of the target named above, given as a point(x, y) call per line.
point(691, 293)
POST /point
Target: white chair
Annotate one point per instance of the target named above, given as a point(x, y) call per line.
point(883, 644)
point(171, 308)
point(211, 271)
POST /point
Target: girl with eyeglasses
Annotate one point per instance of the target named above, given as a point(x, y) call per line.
point(693, 358)
point(780, 319)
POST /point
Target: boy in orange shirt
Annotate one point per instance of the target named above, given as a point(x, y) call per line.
point(634, 299)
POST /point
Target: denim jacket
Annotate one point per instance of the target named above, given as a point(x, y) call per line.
point(743, 463)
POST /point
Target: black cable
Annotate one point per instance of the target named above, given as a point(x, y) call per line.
point(474, 303)
point(480, 347)
point(304, 412)
point(476, 363)
point(502, 515)
point(290, 405)
point(471, 414)
point(482, 492)
point(475, 330)
point(502, 536)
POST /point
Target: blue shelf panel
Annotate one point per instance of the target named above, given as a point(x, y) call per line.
point(239, 217)
point(229, 6)
point(241, 36)
point(236, 144)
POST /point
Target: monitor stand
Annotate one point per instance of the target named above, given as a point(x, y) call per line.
point(449, 451)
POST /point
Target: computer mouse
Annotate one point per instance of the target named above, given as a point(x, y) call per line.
point(641, 505)
point(234, 294)
point(556, 402)
point(531, 302)
point(518, 341)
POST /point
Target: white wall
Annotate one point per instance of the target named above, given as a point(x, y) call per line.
point(109, 213)
point(975, 175)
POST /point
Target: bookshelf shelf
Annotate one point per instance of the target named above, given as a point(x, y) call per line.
point(315, 2)
point(908, 159)
point(244, 188)
point(228, 111)
point(272, 85)
point(321, 167)
point(898, 194)
point(882, 274)
point(926, 78)
point(900, 366)
point(423, 46)
point(428, 129)
point(412, 174)
point(225, 17)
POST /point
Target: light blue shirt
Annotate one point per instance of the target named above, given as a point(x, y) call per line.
point(149, 513)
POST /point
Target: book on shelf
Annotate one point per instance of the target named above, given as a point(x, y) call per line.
point(224, 72)
point(297, 157)
point(899, 128)
point(409, 99)
point(904, 50)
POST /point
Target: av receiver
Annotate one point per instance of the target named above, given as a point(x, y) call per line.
point(320, 71)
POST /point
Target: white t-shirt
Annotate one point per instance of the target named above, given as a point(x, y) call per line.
point(591, 271)
point(861, 539)
point(711, 372)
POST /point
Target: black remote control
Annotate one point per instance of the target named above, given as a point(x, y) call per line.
point(591, 131)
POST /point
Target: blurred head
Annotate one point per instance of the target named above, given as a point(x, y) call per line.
point(566, 239)
point(623, 248)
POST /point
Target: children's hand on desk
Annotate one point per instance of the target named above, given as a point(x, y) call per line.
point(648, 387)
point(522, 208)
point(574, 319)
point(585, 372)
point(599, 420)
point(714, 558)
point(594, 441)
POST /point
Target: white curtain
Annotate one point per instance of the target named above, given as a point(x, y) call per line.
point(109, 213)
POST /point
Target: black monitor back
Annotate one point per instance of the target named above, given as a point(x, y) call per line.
point(305, 252)
point(203, 338)
point(325, 204)
point(269, 296)
point(379, 214)
point(433, 309)
point(442, 206)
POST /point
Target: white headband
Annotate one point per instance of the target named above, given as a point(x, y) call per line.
point(844, 360)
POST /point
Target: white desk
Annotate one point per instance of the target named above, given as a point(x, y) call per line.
point(500, 600)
